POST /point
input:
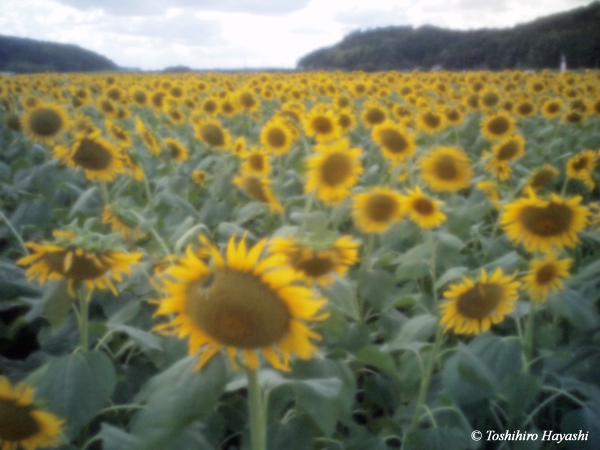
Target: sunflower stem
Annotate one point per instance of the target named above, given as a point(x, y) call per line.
point(104, 192)
point(14, 232)
point(528, 339)
point(425, 382)
point(147, 191)
point(83, 318)
point(365, 262)
point(258, 425)
point(307, 209)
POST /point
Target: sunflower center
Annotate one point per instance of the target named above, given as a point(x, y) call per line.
point(445, 168)
point(542, 178)
point(432, 120)
point(257, 162)
point(375, 116)
point(336, 169)
point(315, 266)
point(552, 220)
point(508, 150)
point(525, 109)
point(498, 126)
point(344, 121)
point(581, 164)
point(176, 152)
point(480, 301)
point(381, 207)
point(423, 206)
point(45, 122)
point(545, 274)
point(453, 115)
point(553, 108)
point(393, 141)
point(16, 422)
point(140, 97)
point(212, 135)
point(255, 189)
point(322, 125)
point(92, 155)
point(247, 100)
point(276, 137)
point(209, 106)
point(76, 264)
point(490, 99)
point(237, 309)
point(573, 117)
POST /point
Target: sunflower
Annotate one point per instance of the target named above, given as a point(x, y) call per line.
point(322, 124)
point(431, 122)
point(540, 178)
point(525, 109)
point(107, 108)
point(118, 133)
point(317, 264)
point(396, 144)
point(333, 170)
point(573, 117)
point(212, 133)
point(120, 223)
point(149, 139)
point(241, 302)
point(453, 115)
point(498, 126)
point(139, 96)
point(423, 210)
point(176, 149)
point(542, 224)
point(99, 159)
point(76, 263)
point(446, 169)
point(473, 307)
point(258, 188)
point(581, 166)
point(491, 190)
point(376, 210)
point(248, 101)
point(210, 106)
point(546, 275)
point(22, 424)
point(256, 162)
point(372, 114)
point(510, 149)
point(346, 120)
point(240, 146)
point(199, 177)
point(552, 108)
point(276, 136)
point(45, 122)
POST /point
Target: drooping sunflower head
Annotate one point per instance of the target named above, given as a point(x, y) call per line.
point(45, 122)
point(446, 169)
point(497, 126)
point(546, 275)
point(396, 144)
point(121, 222)
point(241, 302)
point(422, 210)
point(22, 424)
point(317, 263)
point(541, 177)
point(80, 258)
point(376, 210)
point(333, 170)
point(176, 149)
point(541, 225)
point(212, 133)
point(473, 307)
point(258, 188)
point(321, 123)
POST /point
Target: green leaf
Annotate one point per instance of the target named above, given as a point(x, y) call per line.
point(57, 302)
point(450, 275)
point(87, 202)
point(438, 439)
point(142, 338)
point(13, 284)
point(379, 288)
point(77, 386)
point(411, 271)
point(373, 356)
point(418, 329)
point(114, 438)
point(177, 397)
point(175, 201)
point(521, 391)
point(342, 296)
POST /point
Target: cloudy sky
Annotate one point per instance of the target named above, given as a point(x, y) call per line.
point(213, 34)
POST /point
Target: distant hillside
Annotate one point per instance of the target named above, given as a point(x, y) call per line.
point(28, 55)
point(535, 45)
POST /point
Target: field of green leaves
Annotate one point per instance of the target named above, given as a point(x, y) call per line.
point(300, 261)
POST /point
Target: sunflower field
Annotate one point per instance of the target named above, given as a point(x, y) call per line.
point(299, 260)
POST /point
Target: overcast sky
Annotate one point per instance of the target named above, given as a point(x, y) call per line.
point(213, 34)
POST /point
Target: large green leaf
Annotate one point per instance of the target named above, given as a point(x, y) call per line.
point(77, 386)
point(175, 398)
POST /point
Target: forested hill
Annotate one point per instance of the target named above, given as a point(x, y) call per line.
point(534, 45)
point(27, 55)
